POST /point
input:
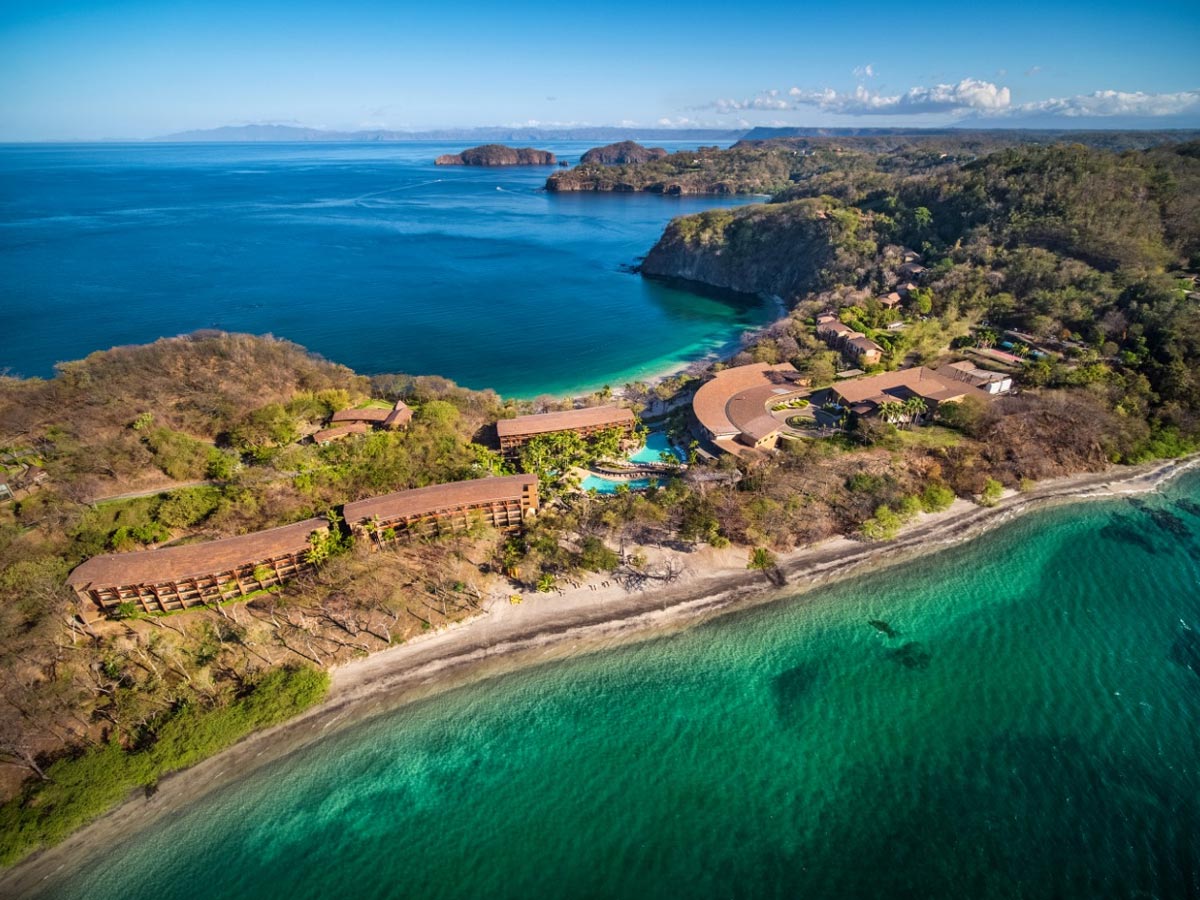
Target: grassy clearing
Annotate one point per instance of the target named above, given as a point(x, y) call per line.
point(930, 437)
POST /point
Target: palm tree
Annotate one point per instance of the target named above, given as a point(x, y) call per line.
point(916, 407)
point(891, 411)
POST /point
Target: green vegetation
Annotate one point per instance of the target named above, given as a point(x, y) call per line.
point(74, 790)
point(936, 497)
point(554, 456)
point(1085, 252)
point(1089, 254)
point(761, 560)
point(991, 493)
point(707, 170)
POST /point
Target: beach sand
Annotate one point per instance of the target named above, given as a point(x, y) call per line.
point(598, 613)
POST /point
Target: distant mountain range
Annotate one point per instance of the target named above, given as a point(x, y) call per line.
point(243, 133)
point(1016, 132)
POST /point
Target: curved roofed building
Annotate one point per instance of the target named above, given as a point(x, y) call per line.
point(732, 408)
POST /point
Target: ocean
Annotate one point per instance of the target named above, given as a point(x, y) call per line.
point(1015, 717)
point(367, 254)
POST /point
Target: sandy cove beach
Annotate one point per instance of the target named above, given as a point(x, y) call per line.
point(545, 627)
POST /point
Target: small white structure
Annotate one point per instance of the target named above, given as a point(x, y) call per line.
point(985, 380)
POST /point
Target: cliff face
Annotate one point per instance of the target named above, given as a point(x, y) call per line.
point(621, 154)
point(783, 249)
point(498, 155)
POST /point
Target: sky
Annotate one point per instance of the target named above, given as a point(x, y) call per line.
point(143, 68)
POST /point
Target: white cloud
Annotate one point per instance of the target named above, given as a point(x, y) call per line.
point(968, 94)
point(1032, 70)
point(867, 71)
point(1115, 103)
point(969, 97)
point(766, 100)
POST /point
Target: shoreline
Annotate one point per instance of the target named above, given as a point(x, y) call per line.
point(653, 374)
point(546, 627)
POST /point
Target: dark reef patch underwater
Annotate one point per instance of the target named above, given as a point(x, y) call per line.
point(1032, 734)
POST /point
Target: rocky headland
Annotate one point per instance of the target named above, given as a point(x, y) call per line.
point(783, 249)
point(622, 153)
point(498, 155)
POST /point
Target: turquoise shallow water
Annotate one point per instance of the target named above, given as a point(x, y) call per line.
point(1029, 730)
point(365, 253)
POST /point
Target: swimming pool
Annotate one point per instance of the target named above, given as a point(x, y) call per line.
point(656, 442)
point(610, 485)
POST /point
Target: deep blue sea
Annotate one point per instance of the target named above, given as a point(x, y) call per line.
point(365, 253)
point(1030, 728)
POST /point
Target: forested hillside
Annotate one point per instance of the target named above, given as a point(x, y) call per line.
point(1063, 242)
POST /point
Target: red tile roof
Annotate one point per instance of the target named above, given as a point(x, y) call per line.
point(734, 401)
point(589, 417)
point(891, 385)
point(325, 435)
point(194, 560)
point(421, 501)
point(371, 414)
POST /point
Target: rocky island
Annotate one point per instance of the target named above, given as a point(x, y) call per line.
point(498, 155)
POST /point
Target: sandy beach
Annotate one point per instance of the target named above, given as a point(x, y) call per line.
point(598, 613)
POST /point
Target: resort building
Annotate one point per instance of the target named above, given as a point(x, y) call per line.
point(984, 379)
point(338, 432)
point(863, 396)
point(397, 417)
point(853, 344)
point(173, 578)
point(502, 503)
point(732, 408)
point(588, 421)
point(890, 300)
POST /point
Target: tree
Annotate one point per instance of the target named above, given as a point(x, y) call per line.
point(922, 219)
point(761, 560)
point(922, 301)
point(915, 407)
point(891, 411)
point(992, 490)
point(438, 414)
point(936, 497)
point(883, 526)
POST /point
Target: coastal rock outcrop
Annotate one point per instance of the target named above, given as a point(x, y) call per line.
point(498, 155)
point(781, 249)
point(621, 154)
point(628, 166)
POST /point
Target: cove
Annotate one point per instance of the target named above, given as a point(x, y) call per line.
point(367, 254)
